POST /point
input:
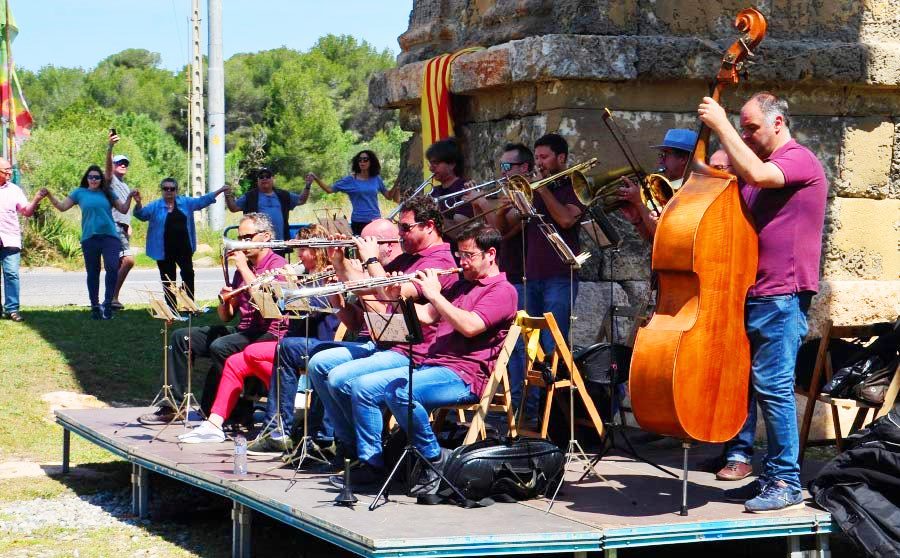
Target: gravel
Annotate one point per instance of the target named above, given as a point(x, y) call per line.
point(104, 509)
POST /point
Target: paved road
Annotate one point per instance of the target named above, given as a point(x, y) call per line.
point(49, 287)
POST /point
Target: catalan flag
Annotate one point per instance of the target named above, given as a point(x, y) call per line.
point(437, 123)
point(14, 109)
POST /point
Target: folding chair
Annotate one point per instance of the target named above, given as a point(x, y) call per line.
point(536, 367)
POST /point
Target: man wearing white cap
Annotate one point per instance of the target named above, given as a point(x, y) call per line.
point(674, 154)
point(116, 167)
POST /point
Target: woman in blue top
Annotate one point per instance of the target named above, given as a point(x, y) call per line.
point(99, 235)
point(362, 186)
point(171, 238)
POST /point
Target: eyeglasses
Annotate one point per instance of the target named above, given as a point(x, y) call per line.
point(265, 176)
point(122, 164)
point(506, 167)
point(466, 255)
point(94, 177)
point(246, 237)
point(406, 227)
point(169, 188)
point(6, 171)
point(363, 159)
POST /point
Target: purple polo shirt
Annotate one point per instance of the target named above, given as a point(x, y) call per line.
point(789, 222)
point(542, 261)
point(472, 358)
point(12, 199)
point(433, 257)
point(251, 319)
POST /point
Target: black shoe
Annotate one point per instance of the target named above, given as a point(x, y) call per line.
point(363, 475)
point(15, 316)
point(106, 312)
point(427, 479)
point(163, 415)
point(747, 492)
point(96, 314)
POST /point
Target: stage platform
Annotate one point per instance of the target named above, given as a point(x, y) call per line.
point(635, 505)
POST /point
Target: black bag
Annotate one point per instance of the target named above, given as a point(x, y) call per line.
point(594, 362)
point(503, 470)
point(873, 387)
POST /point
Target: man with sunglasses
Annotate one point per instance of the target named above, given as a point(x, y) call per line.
point(266, 198)
point(332, 371)
point(116, 167)
point(471, 319)
point(673, 157)
point(221, 341)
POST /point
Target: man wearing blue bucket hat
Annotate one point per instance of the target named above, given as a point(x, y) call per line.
point(674, 154)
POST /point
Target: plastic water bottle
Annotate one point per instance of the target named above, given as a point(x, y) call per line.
point(240, 455)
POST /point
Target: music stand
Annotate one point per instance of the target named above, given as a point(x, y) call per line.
point(406, 330)
point(184, 303)
point(328, 218)
point(604, 235)
point(160, 309)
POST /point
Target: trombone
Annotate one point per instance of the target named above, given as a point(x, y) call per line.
point(419, 189)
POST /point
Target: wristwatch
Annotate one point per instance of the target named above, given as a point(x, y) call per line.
point(369, 262)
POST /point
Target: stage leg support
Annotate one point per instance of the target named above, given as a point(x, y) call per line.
point(240, 530)
point(140, 491)
point(67, 445)
point(823, 549)
point(608, 553)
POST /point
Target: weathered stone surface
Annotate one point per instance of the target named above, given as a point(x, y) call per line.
point(854, 302)
point(862, 239)
point(592, 307)
point(865, 161)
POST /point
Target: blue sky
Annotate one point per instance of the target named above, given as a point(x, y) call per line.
point(81, 33)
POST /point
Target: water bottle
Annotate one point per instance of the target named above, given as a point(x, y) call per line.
point(240, 455)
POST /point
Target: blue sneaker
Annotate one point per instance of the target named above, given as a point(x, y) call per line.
point(776, 496)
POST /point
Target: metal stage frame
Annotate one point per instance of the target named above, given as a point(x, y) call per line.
point(627, 511)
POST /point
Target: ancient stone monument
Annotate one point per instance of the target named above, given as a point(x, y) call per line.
point(553, 65)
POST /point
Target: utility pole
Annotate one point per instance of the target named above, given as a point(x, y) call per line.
point(216, 115)
point(196, 117)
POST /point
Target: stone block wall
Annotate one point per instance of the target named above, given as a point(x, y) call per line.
point(554, 65)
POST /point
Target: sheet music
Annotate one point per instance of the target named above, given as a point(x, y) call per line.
point(389, 328)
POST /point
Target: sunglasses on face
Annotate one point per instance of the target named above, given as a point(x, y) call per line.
point(505, 167)
point(169, 188)
point(406, 227)
point(246, 237)
point(363, 159)
point(265, 176)
point(94, 177)
point(122, 164)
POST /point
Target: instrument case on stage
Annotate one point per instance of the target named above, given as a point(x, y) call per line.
point(504, 470)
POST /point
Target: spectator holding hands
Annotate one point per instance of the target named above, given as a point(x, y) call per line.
point(116, 167)
point(12, 204)
point(99, 234)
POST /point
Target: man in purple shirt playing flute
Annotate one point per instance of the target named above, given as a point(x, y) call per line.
point(472, 318)
point(785, 188)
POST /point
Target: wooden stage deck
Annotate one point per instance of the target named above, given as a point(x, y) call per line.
point(637, 505)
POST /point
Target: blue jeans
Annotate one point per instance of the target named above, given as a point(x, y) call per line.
point(93, 248)
point(333, 370)
point(548, 295)
point(433, 387)
point(776, 326)
point(9, 260)
point(516, 366)
point(291, 355)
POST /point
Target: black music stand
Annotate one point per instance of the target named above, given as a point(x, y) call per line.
point(606, 237)
point(408, 330)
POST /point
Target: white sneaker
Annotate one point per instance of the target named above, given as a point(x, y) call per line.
point(206, 433)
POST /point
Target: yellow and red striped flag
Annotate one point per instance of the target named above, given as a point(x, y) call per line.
point(437, 122)
point(14, 109)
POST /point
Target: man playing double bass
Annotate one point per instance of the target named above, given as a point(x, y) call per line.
point(785, 188)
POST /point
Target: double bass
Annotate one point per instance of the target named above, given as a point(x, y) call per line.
point(690, 369)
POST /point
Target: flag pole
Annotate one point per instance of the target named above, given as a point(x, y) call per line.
point(10, 123)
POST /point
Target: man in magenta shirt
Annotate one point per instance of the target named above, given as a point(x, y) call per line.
point(12, 204)
point(221, 341)
point(472, 319)
point(785, 188)
point(332, 371)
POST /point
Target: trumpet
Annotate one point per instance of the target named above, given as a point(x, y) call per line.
point(419, 189)
point(453, 200)
point(262, 279)
point(291, 295)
